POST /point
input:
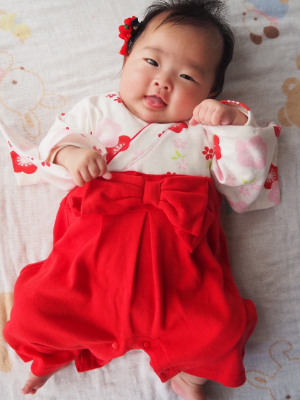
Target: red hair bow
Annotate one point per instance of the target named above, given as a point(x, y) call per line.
point(125, 34)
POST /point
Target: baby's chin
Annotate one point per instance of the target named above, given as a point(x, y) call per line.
point(156, 117)
point(163, 116)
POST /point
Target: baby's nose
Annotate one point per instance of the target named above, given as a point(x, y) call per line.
point(163, 82)
point(162, 85)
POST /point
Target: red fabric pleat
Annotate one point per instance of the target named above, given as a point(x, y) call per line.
point(138, 262)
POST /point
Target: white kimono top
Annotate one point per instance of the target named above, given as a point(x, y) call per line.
point(241, 160)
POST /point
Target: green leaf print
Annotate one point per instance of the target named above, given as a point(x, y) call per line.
point(178, 156)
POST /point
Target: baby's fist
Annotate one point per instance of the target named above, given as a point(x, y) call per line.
point(212, 112)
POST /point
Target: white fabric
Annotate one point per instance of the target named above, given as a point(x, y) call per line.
point(69, 50)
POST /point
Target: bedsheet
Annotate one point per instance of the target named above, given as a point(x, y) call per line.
point(54, 53)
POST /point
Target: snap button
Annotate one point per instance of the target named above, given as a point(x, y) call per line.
point(147, 344)
point(115, 345)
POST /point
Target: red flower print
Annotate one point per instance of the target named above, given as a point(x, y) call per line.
point(271, 177)
point(47, 164)
point(118, 99)
point(179, 127)
point(123, 144)
point(111, 95)
point(217, 147)
point(208, 153)
point(21, 164)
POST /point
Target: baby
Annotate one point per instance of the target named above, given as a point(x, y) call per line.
point(138, 241)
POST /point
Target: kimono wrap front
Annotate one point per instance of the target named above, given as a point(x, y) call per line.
point(140, 261)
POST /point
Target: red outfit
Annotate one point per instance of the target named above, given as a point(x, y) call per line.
point(138, 262)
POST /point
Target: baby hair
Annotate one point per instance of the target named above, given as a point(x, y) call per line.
point(208, 15)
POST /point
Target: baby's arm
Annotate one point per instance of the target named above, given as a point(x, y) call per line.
point(83, 164)
point(244, 163)
point(213, 113)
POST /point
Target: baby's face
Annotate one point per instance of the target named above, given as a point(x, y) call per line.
point(170, 70)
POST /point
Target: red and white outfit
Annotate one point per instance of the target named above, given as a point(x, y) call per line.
point(140, 261)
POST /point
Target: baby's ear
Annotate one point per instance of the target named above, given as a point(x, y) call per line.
point(212, 95)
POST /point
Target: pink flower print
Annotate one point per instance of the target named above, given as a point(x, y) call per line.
point(138, 154)
point(230, 180)
point(182, 164)
point(21, 164)
point(208, 152)
point(108, 132)
point(271, 177)
point(255, 186)
point(239, 206)
point(252, 154)
point(244, 191)
point(27, 146)
point(179, 143)
point(274, 194)
point(40, 181)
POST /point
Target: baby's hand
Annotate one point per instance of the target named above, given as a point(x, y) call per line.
point(212, 112)
point(83, 164)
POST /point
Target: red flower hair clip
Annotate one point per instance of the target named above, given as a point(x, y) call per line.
point(127, 31)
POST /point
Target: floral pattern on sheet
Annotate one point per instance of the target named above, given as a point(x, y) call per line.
point(9, 22)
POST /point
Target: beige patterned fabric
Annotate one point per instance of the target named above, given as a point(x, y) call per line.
point(52, 54)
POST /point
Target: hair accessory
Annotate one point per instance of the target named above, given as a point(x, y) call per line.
point(127, 32)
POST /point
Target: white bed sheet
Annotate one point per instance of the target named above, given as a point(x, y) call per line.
point(69, 50)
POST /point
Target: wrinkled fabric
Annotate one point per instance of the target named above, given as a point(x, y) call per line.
point(121, 276)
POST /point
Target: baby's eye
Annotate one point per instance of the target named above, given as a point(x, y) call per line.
point(152, 62)
point(187, 77)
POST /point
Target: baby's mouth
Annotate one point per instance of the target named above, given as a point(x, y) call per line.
point(155, 102)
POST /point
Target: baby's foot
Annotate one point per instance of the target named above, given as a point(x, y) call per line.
point(34, 383)
point(189, 387)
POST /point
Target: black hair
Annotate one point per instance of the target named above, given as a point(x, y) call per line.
point(203, 14)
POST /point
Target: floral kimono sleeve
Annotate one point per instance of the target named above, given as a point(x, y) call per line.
point(73, 128)
point(244, 166)
point(33, 165)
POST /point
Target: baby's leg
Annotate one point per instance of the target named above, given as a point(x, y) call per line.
point(34, 382)
point(189, 387)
